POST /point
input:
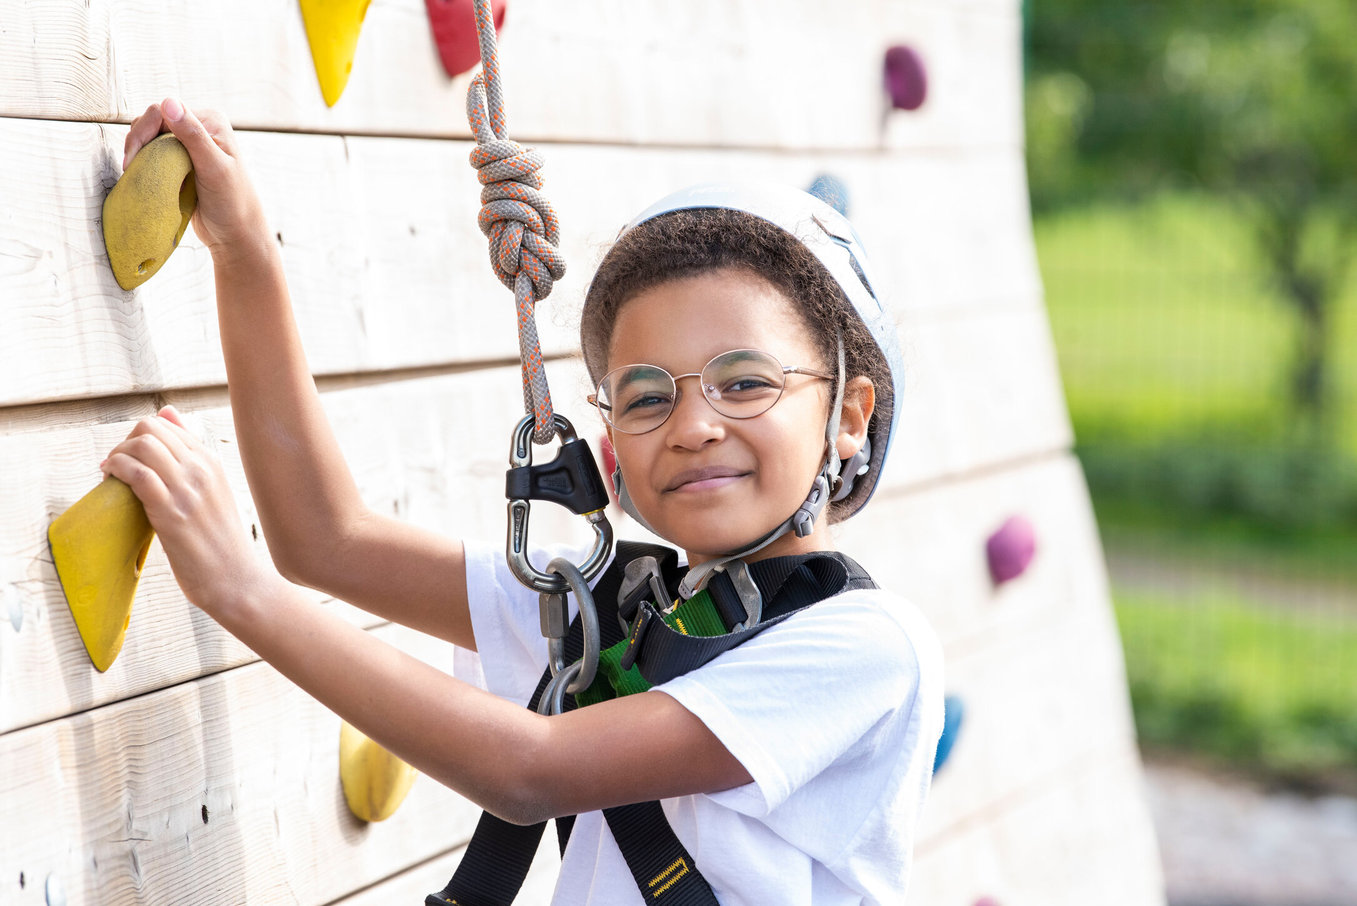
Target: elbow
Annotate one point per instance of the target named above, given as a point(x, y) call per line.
point(529, 786)
point(524, 809)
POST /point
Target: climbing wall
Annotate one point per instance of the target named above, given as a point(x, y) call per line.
point(190, 771)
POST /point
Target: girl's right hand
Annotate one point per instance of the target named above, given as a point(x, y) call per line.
point(229, 218)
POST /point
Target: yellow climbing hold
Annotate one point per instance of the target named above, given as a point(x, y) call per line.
point(332, 28)
point(146, 213)
point(99, 546)
point(375, 781)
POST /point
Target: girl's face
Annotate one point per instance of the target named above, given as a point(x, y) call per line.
point(706, 482)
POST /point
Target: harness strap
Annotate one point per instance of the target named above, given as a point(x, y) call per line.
point(499, 855)
point(497, 859)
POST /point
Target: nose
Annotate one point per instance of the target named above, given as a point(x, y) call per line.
point(693, 423)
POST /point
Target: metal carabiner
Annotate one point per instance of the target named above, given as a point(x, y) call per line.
point(571, 479)
point(588, 624)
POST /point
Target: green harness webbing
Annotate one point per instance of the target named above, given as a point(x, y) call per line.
point(499, 855)
point(696, 616)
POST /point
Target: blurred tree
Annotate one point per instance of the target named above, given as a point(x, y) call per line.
point(1252, 98)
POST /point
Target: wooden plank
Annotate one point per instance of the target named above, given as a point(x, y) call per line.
point(224, 790)
point(930, 543)
point(1037, 660)
point(1083, 837)
point(407, 445)
point(388, 269)
point(414, 885)
point(711, 72)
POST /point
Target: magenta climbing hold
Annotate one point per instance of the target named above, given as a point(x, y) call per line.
point(1010, 549)
point(905, 78)
point(987, 901)
point(454, 32)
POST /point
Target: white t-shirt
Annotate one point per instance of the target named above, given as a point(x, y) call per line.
point(835, 713)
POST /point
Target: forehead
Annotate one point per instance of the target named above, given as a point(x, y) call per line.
point(681, 324)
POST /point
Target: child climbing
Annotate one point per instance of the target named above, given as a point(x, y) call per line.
point(746, 376)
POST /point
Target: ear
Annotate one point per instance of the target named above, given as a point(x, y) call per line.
point(859, 401)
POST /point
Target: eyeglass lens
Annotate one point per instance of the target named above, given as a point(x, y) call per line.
point(741, 383)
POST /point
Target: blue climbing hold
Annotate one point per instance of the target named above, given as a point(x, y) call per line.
point(831, 190)
point(952, 713)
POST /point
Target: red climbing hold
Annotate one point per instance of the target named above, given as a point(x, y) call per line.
point(905, 79)
point(454, 31)
point(609, 455)
point(1010, 549)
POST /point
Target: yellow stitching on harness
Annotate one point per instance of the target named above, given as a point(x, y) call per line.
point(678, 621)
point(681, 865)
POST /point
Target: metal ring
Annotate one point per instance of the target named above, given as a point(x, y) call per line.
point(588, 621)
point(553, 696)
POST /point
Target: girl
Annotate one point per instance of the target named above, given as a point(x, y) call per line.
point(746, 374)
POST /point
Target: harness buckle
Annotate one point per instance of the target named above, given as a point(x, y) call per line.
point(572, 480)
point(641, 580)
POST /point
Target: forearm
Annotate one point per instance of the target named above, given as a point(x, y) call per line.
point(319, 531)
point(302, 488)
point(475, 743)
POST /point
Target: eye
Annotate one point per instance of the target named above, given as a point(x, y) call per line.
point(745, 385)
point(643, 400)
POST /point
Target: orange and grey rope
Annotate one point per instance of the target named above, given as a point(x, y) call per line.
point(516, 217)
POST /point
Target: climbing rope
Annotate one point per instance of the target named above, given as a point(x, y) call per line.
point(516, 217)
point(523, 231)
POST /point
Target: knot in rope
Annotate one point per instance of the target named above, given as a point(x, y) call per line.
point(516, 217)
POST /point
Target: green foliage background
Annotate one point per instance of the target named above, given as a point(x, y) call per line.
point(1193, 169)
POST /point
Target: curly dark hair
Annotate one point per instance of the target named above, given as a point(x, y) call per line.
point(692, 242)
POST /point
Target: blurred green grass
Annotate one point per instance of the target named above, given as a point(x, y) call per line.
point(1165, 323)
point(1270, 692)
point(1175, 352)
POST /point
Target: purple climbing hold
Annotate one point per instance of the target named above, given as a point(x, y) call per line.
point(905, 79)
point(1010, 549)
point(987, 901)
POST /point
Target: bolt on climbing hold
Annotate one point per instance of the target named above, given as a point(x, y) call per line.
point(148, 210)
point(14, 608)
point(56, 894)
point(831, 190)
point(906, 80)
point(375, 782)
point(1010, 549)
point(454, 32)
point(953, 713)
point(99, 547)
point(332, 28)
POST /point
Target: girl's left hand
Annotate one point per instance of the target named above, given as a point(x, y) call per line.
point(190, 506)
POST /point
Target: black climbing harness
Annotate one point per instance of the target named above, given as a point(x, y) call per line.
point(635, 620)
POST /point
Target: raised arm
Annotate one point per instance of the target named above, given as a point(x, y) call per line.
point(319, 531)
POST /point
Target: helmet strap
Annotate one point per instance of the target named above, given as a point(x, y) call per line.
point(827, 486)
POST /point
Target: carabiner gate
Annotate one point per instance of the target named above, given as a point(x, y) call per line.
point(571, 479)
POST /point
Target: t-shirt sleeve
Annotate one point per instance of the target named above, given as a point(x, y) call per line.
point(803, 694)
point(511, 652)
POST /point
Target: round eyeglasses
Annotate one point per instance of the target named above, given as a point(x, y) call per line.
point(741, 383)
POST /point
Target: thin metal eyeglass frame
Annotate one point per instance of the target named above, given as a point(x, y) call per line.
point(593, 398)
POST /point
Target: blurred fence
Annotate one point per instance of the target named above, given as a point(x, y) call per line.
point(1229, 518)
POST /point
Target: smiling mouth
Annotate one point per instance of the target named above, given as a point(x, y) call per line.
point(704, 479)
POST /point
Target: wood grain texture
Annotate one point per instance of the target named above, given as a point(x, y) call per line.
point(753, 73)
point(388, 269)
point(1083, 837)
point(225, 791)
point(431, 450)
